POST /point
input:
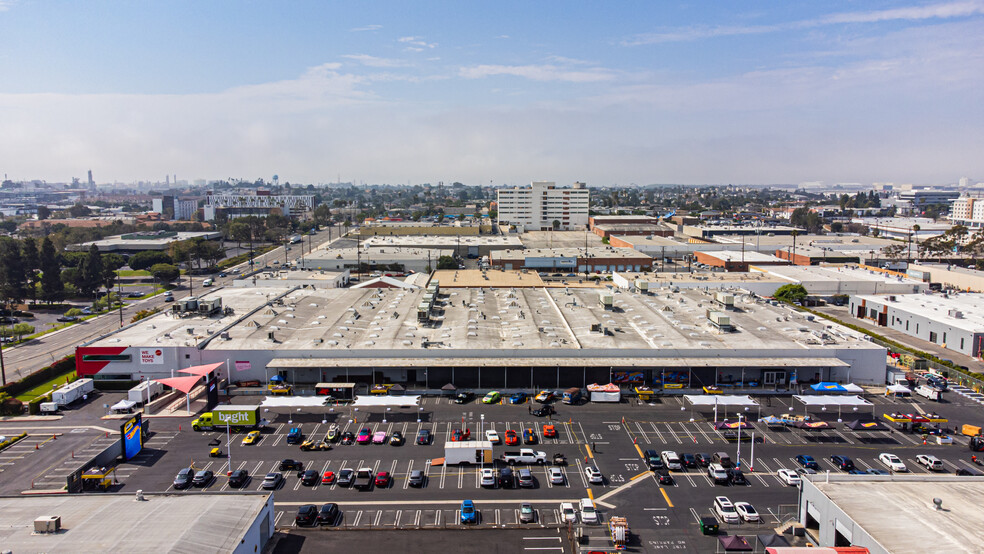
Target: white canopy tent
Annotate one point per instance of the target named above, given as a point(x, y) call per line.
point(123, 406)
point(741, 403)
point(855, 403)
point(852, 388)
point(898, 389)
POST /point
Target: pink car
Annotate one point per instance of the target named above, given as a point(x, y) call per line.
point(379, 437)
point(364, 436)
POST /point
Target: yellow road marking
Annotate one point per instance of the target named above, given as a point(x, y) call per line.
point(639, 450)
point(666, 497)
point(590, 494)
point(643, 474)
point(590, 454)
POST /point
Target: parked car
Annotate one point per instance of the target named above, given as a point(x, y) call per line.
point(328, 513)
point(556, 475)
point(511, 438)
point(688, 460)
point(726, 510)
point(306, 515)
point(488, 477)
point(842, 462)
point(526, 478)
point(737, 477)
point(807, 461)
point(364, 436)
point(287, 464)
point(328, 478)
point(653, 460)
point(272, 480)
point(747, 512)
point(348, 437)
point(396, 439)
point(544, 411)
point(463, 397)
point(876, 471)
point(568, 513)
point(492, 436)
point(251, 438)
point(382, 479)
point(664, 477)
point(789, 477)
point(594, 476)
point(544, 396)
point(184, 478)
point(62, 319)
point(379, 437)
point(931, 463)
point(703, 459)
point(529, 436)
point(549, 431)
point(492, 397)
point(526, 513)
point(506, 478)
point(310, 478)
point(892, 462)
point(423, 437)
point(416, 478)
point(518, 398)
point(588, 512)
point(203, 478)
point(238, 478)
point(345, 476)
point(468, 513)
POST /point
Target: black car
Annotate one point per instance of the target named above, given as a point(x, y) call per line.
point(842, 462)
point(310, 478)
point(703, 459)
point(184, 478)
point(203, 478)
point(963, 471)
point(664, 477)
point(238, 478)
point(688, 460)
point(328, 514)
point(463, 397)
point(736, 477)
point(423, 436)
point(506, 479)
point(67, 318)
point(348, 437)
point(306, 515)
point(653, 460)
point(289, 464)
point(544, 411)
point(396, 439)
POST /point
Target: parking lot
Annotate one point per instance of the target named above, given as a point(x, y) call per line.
point(611, 437)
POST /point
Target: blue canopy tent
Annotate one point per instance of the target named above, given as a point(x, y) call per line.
point(828, 386)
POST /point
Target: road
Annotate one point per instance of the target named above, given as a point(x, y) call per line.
point(26, 358)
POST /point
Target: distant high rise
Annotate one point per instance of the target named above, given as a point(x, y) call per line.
point(544, 206)
point(964, 182)
point(92, 184)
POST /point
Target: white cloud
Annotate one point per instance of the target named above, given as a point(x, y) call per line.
point(538, 73)
point(417, 41)
point(373, 61)
point(6, 4)
point(949, 10)
point(366, 28)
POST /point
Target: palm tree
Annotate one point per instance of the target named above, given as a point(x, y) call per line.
point(794, 234)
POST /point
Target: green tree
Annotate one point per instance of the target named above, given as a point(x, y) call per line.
point(52, 286)
point(21, 329)
point(446, 262)
point(790, 293)
point(79, 210)
point(13, 278)
point(43, 213)
point(147, 258)
point(91, 273)
point(165, 273)
point(239, 232)
point(32, 264)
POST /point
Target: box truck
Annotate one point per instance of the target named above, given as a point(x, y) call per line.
point(470, 452)
point(931, 393)
point(145, 392)
point(72, 392)
point(240, 418)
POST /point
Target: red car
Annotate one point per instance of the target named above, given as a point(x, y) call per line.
point(328, 478)
point(382, 479)
point(458, 435)
point(511, 438)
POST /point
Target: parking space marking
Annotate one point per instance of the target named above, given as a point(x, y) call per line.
point(673, 434)
point(645, 436)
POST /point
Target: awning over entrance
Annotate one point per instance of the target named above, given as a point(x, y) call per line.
point(587, 361)
point(201, 370)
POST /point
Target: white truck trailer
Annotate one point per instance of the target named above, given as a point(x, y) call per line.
point(72, 392)
point(145, 392)
point(468, 452)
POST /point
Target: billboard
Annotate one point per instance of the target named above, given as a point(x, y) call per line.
point(132, 436)
point(151, 356)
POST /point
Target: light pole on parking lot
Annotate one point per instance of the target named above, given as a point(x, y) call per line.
point(738, 455)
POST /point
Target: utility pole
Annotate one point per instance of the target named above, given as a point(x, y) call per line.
point(119, 288)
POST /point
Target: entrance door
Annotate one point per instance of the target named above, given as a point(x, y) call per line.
point(771, 378)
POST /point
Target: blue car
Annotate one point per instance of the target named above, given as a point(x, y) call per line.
point(468, 513)
point(518, 398)
point(807, 461)
point(294, 436)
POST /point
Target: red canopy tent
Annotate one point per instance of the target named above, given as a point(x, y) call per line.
point(183, 384)
point(201, 370)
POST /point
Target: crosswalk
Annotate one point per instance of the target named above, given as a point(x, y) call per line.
point(967, 393)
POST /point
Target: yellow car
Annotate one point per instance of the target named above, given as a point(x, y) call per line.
point(251, 438)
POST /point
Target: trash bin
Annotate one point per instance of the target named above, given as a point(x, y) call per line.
point(708, 526)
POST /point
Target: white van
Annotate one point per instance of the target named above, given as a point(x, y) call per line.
point(718, 474)
point(726, 510)
point(207, 282)
point(671, 460)
point(588, 512)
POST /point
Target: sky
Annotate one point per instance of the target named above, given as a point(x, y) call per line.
point(506, 93)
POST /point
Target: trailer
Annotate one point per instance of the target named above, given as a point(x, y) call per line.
point(604, 393)
point(618, 529)
point(470, 452)
point(72, 392)
point(145, 392)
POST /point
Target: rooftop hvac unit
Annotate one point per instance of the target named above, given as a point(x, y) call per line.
point(47, 524)
point(225, 335)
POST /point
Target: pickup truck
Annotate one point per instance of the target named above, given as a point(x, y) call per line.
point(524, 456)
point(363, 479)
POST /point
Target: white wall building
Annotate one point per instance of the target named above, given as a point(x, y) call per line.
point(968, 211)
point(538, 206)
point(241, 205)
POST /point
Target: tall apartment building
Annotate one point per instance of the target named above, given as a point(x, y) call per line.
point(261, 203)
point(544, 206)
point(171, 207)
point(968, 211)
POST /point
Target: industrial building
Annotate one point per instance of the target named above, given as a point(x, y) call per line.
point(393, 259)
point(609, 230)
point(143, 240)
point(954, 321)
point(378, 227)
point(543, 206)
point(490, 336)
point(736, 261)
point(598, 259)
point(948, 276)
point(820, 281)
point(830, 247)
point(813, 255)
point(261, 204)
point(711, 231)
point(236, 522)
point(292, 278)
point(894, 513)
point(463, 246)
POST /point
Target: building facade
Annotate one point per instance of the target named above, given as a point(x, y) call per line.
point(260, 204)
point(544, 206)
point(953, 321)
point(968, 211)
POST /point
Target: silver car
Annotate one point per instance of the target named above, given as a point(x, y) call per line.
point(272, 480)
point(345, 477)
point(526, 513)
point(556, 476)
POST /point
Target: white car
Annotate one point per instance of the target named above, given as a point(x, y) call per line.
point(556, 476)
point(892, 462)
point(568, 512)
point(488, 477)
point(492, 436)
point(594, 475)
point(789, 477)
point(931, 463)
point(747, 512)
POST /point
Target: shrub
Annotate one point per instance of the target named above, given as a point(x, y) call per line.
point(12, 440)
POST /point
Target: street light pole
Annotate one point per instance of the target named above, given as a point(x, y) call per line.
point(738, 456)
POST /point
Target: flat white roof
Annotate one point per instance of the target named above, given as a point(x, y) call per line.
point(720, 400)
point(829, 400)
point(749, 256)
point(938, 307)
